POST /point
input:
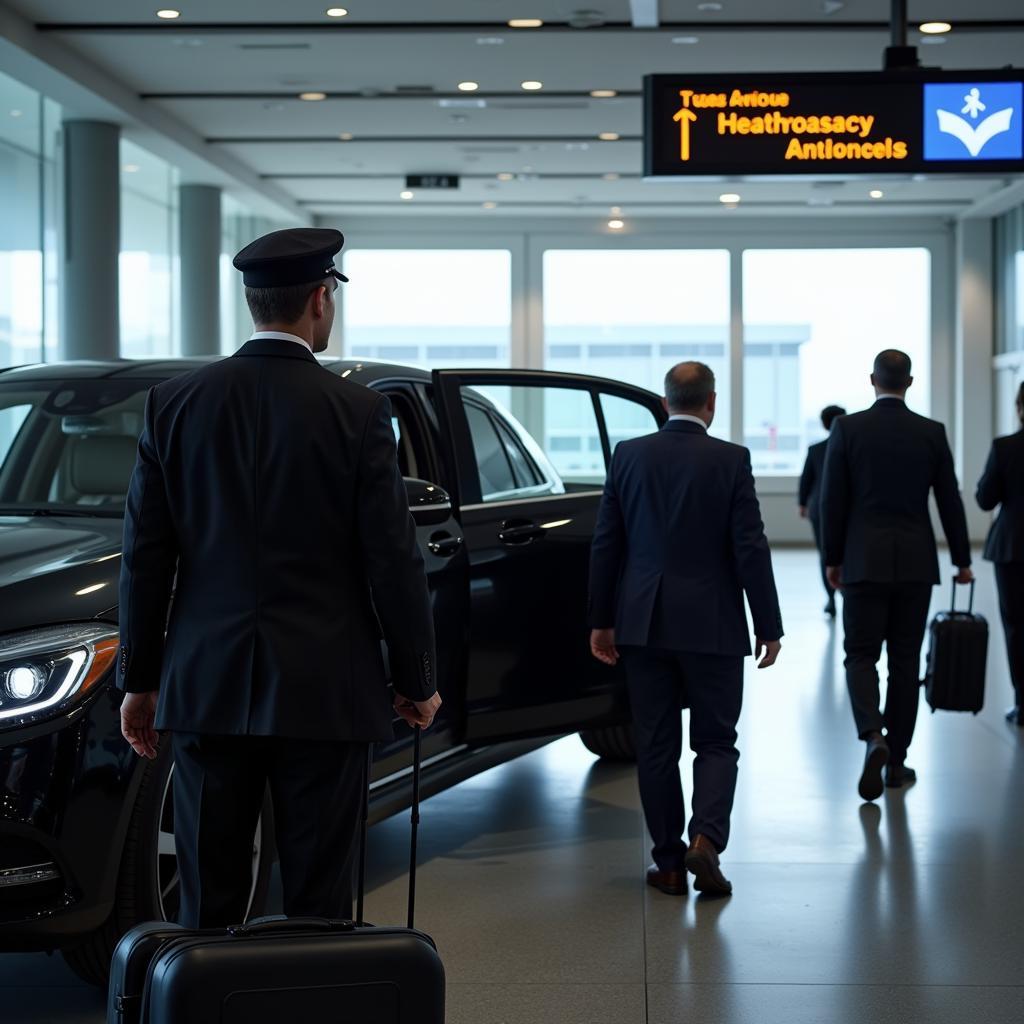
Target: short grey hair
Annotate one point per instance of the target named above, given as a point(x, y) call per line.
point(688, 387)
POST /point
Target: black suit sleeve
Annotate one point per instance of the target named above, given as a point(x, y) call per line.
point(835, 496)
point(951, 507)
point(990, 486)
point(394, 565)
point(753, 556)
point(606, 554)
point(807, 478)
point(148, 563)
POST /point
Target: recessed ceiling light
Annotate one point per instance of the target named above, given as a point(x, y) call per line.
point(525, 23)
point(616, 224)
point(506, 176)
point(603, 94)
point(710, 7)
point(936, 28)
point(490, 206)
point(609, 136)
point(876, 193)
point(468, 86)
point(729, 197)
point(168, 14)
point(533, 86)
point(130, 168)
point(346, 136)
point(336, 12)
point(312, 97)
point(611, 176)
point(686, 40)
point(405, 195)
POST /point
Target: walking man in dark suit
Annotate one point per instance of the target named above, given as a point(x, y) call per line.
point(1002, 484)
point(270, 488)
point(809, 498)
point(880, 467)
point(679, 539)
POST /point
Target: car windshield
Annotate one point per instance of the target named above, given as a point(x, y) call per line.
point(67, 447)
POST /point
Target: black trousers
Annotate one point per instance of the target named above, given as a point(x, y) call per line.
point(894, 614)
point(829, 589)
point(661, 683)
point(219, 784)
point(1010, 583)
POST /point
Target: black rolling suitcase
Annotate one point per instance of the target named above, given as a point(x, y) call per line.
point(957, 651)
point(278, 969)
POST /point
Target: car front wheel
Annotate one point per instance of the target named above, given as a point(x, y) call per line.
point(612, 743)
point(148, 886)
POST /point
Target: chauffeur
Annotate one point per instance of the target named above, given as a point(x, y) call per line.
point(271, 487)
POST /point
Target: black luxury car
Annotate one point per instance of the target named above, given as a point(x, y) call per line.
point(86, 828)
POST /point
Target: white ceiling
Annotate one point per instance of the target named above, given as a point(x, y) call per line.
point(235, 83)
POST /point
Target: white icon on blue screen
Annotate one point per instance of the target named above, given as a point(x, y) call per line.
point(965, 121)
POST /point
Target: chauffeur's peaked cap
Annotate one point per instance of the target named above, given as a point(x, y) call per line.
point(292, 256)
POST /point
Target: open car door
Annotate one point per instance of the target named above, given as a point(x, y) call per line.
point(529, 452)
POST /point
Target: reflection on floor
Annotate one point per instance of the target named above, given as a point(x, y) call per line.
point(908, 911)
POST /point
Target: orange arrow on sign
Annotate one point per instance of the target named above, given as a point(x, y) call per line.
point(685, 117)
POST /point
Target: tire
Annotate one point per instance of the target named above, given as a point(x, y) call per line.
point(612, 743)
point(147, 888)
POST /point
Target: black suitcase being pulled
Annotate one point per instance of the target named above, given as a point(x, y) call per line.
point(276, 969)
point(957, 652)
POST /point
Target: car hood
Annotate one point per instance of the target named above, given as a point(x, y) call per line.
point(57, 569)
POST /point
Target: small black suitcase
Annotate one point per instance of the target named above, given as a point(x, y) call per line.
point(278, 969)
point(957, 652)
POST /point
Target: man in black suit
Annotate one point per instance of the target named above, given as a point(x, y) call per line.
point(809, 498)
point(880, 467)
point(269, 488)
point(679, 539)
point(1002, 484)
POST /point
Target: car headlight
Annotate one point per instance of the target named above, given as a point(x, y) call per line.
point(45, 671)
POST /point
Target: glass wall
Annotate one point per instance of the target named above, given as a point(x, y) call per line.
point(149, 279)
point(814, 319)
point(1009, 237)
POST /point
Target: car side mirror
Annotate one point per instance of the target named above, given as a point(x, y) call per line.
point(430, 504)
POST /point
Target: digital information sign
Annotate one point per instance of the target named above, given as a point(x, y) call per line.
point(883, 123)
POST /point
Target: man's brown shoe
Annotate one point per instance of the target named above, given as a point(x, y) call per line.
point(702, 863)
point(671, 882)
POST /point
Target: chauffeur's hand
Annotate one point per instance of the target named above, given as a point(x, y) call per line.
point(602, 646)
point(834, 575)
point(964, 575)
point(767, 651)
point(138, 715)
point(418, 712)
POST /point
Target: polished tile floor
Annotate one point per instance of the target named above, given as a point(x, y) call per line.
point(910, 911)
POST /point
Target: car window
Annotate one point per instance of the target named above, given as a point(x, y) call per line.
point(12, 418)
point(492, 461)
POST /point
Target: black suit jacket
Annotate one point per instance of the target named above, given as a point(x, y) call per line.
point(810, 479)
point(1003, 484)
point(880, 466)
point(271, 486)
point(679, 538)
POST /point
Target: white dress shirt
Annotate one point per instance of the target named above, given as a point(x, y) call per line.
point(688, 419)
point(280, 336)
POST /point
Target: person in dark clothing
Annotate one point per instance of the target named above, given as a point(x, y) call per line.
point(880, 467)
point(1002, 484)
point(679, 540)
point(809, 498)
point(267, 496)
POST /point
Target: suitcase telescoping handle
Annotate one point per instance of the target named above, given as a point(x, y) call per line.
point(415, 820)
point(970, 601)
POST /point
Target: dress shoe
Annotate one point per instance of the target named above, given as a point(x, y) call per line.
point(899, 775)
point(875, 759)
point(671, 882)
point(702, 863)
point(1015, 716)
point(830, 609)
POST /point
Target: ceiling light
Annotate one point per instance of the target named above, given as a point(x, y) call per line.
point(616, 225)
point(336, 12)
point(533, 86)
point(876, 193)
point(312, 97)
point(346, 136)
point(490, 206)
point(729, 197)
point(130, 168)
point(525, 23)
point(506, 176)
point(168, 14)
point(611, 176)
point(468, 86)
point(936, 28)
point(609, 136)
point(405, 195)
point(710, 7)
point(603, 94)
point(685, 40)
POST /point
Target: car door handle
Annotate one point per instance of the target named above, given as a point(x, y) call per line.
point(519, 531)
point(444, 545)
